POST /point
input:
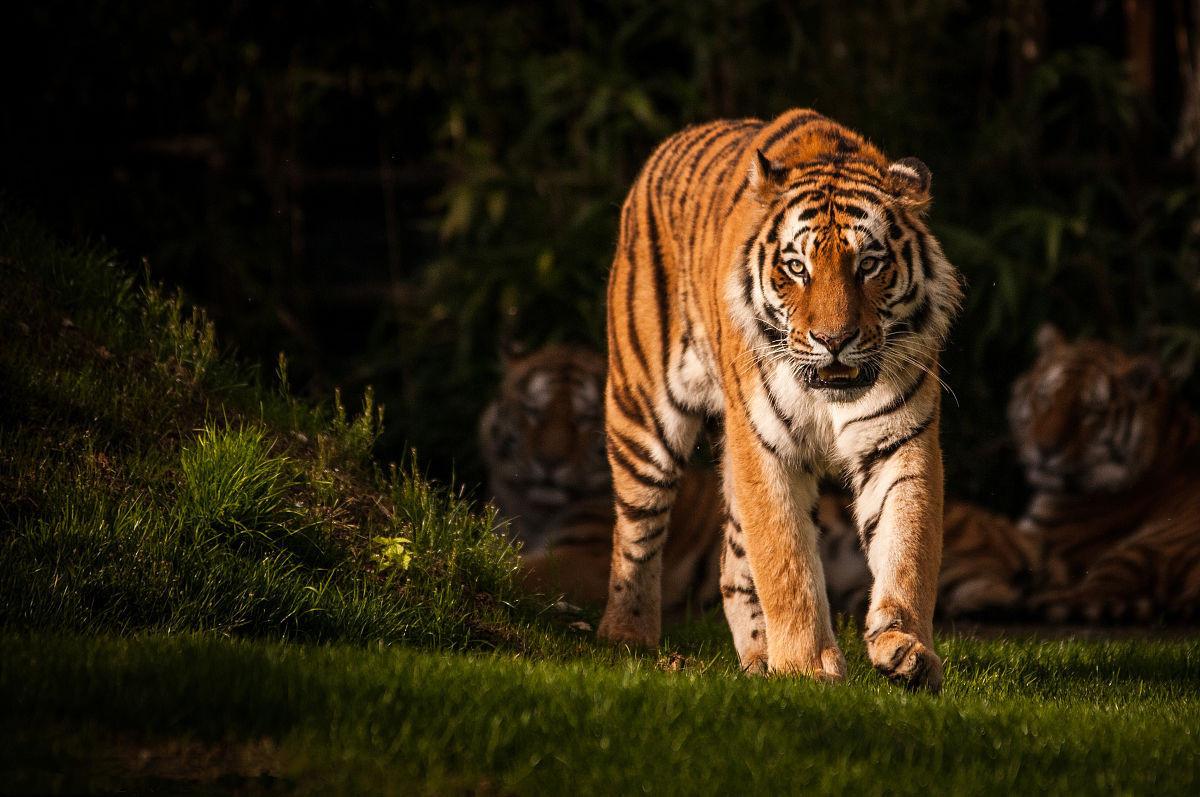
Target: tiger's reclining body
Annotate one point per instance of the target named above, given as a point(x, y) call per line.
point(1113, 456)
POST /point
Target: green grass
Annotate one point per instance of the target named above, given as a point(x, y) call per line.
point(208, 585)
point(1016, 717)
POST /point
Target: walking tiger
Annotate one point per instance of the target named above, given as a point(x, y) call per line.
point(779, 276)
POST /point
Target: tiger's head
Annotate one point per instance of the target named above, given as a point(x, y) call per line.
point(842, 276)
point(1087, 418)
point(542, 438)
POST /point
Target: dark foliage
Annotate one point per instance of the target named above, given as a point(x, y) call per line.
point(388, 190)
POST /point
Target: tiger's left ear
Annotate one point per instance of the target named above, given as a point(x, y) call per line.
point(910, 179)
point(766, 175)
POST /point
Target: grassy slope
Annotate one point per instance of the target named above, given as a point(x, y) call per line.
point(187, 557)
point(147, 481)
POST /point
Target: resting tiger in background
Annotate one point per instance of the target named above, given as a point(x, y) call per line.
point(1113, 456)
point(779, 276)
point(542, 440)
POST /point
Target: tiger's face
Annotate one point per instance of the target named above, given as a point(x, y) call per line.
point(1086, 416)
point(543, 436)
point(843, 275)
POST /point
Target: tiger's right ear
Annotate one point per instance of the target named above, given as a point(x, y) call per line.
point(1049, 337)
point(766, 175)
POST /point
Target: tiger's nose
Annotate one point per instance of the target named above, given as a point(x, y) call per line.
point(836, 341)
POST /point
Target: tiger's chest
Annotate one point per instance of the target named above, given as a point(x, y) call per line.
point(791, 422)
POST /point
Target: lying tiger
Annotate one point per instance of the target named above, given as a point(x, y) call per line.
point(1113, 456)
point(542, 442)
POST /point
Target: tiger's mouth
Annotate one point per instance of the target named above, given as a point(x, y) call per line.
point(839, 376)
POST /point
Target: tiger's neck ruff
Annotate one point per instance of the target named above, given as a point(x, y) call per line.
point(780, 276)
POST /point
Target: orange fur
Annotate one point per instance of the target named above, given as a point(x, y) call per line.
point(779, 276)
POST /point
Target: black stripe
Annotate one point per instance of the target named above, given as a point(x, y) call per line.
point(797, 121)
point(923, 253)
point(641, 560)
point(705, 147)
point(647, 481)
point(869, 525)
point(651, 535)
point(883, 452)
point(636, 512)
point(640, 452)
point(659, 432)
point(893, 405)
point(660, 285)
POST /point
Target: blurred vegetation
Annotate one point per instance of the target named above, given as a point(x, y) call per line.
point(387, 191)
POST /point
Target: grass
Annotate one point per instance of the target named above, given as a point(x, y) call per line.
point(1016, 716)
point(147, 481)
point(207, 585)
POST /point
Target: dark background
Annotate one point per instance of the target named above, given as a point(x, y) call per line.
point(386, 191)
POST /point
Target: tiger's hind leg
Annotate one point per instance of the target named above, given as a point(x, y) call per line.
point(743, 610)
point(647, 449)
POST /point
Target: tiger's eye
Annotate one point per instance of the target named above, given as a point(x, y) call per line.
point(795, 266)
point(869, 266)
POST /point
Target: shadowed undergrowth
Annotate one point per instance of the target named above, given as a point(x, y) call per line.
point(147, 481)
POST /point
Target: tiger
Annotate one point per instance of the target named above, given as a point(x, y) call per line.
point(1112, 454)
point(989, 564)
point(779, 276)
point(542, 442)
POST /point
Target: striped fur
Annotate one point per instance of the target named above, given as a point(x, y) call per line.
point(542, 440)
point(1114, 459)
point(779, 276)
point(989, 564)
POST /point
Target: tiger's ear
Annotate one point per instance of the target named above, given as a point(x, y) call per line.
point(910, 179)
point(1049, 337)
point(766, 175)
point(1143, 375)
point(512, 350)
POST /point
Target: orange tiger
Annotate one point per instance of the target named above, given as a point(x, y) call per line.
point(779, 276)
point(542, 440)
point(1114, 458)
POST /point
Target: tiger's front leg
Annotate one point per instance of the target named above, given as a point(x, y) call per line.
point(646, 470)
point(899, 510)
point(773, 502)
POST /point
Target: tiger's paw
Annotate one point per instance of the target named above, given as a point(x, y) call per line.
point(622, 629)
point(903, 659)
point(755, 665)
point(828, 666)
